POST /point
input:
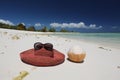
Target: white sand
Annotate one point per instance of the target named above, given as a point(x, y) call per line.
point(99, 64)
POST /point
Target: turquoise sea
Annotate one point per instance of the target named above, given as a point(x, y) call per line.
point(105, 39)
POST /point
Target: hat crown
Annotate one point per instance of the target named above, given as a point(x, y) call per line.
point(44, 52)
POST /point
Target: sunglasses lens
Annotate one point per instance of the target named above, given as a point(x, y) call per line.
point(38, 45)
point(48, 46)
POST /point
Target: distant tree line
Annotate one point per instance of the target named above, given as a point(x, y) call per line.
point(31, 28)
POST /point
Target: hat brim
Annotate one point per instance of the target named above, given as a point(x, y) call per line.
point(29, 57)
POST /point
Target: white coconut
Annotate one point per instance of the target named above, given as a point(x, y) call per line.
point(76, 54)
point(76, 50)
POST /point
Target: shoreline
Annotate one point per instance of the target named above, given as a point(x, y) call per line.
point(52, 34)
point(102, 42)
point(99, 59)
point(19, 32)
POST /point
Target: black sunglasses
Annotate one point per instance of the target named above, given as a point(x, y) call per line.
point(47, 46)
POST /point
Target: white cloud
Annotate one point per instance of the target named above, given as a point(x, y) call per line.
point(37, 24)
point(6, 22)
point(93, 26)
point(23, 23)
point(75, 25)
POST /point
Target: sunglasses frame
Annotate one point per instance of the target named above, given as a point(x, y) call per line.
point(47, 46)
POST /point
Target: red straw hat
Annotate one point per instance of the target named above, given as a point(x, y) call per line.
point(42, 55)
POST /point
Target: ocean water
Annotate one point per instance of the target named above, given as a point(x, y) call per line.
point(105, 39)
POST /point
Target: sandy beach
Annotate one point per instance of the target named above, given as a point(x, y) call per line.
point(101, 63)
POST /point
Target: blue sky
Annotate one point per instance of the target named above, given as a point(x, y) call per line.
point(79, 15)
